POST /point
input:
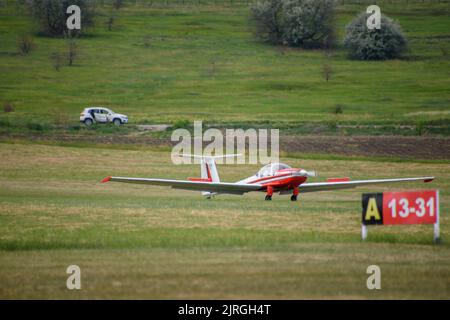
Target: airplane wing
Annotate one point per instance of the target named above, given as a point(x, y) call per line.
point(324, 186)
point(218, 187)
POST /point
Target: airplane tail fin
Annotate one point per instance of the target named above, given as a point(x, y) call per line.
point(208, 168)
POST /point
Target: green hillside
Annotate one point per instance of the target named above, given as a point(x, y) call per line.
point(164, 63)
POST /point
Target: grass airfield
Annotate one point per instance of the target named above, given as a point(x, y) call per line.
point(164, 63)
point(134, 241)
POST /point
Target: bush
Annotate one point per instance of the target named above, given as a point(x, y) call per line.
point(338, 109)
point(267, 19)
point(5, 123)
point(57, 60)
point(181, 124)
point(25, 44)
point(8, 107)
point(76, 127)
point(110, 23)
point(298, 23)
point(72, 51)
point(327, 70)
point(37, 126)
point(147, 42)
point(308, 23)
point(117, 4)
point(52, 17)
point(420, 128)
point(376, 44)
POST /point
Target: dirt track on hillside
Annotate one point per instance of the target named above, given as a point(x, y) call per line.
point(424, 147)
point(380, 146)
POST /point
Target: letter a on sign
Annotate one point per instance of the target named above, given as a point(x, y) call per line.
point(374, 20)
point(374, 280)
point(74, 21)
point(372, 212)
point(74, 280)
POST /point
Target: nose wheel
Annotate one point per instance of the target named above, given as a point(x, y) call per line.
point(294, 194)
point(269, 193)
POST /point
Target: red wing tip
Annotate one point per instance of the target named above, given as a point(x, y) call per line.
point(344, 179)
point(200, 179)
point(106, 179)
point(428, 180)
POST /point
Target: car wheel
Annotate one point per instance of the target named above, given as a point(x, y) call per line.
point(117, 122)
point(88, 122)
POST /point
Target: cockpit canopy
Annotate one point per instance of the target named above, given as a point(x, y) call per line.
point(270, 169)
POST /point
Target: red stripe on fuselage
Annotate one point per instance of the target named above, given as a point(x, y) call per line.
point(208, 172)
point(289, 182)
point(271, 177)
point(283, 179)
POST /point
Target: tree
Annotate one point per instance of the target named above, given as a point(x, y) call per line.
point(52, 17)
point(327, 70)
point(363, 43)
point(298, 23)
point(25, 44)
point(72, 51)
point(57, 60)
point(267, 19)
point(110, 23)
point(308, 23)
point(8, 107)
point(117, 4)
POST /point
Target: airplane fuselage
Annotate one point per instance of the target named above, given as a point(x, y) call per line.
point(280, 180)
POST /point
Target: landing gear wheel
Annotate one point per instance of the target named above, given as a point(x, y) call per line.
point(268, 198)
point(293, 198)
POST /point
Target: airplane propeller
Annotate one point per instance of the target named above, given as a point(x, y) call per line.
point(306, 173)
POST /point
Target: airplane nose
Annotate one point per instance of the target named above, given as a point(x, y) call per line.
point(301, 173)
point(304, 173)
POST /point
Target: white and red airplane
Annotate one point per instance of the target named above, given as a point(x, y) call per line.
point(275, 177)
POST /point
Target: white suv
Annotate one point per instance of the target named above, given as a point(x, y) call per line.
point(102, 115)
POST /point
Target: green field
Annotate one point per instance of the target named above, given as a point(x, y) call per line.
point(203, 63)
point(133, 241)
point(177, 61)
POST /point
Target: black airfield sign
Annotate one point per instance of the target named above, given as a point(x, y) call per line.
point(372, 208)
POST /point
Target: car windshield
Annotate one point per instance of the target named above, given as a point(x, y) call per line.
point(270, 169)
